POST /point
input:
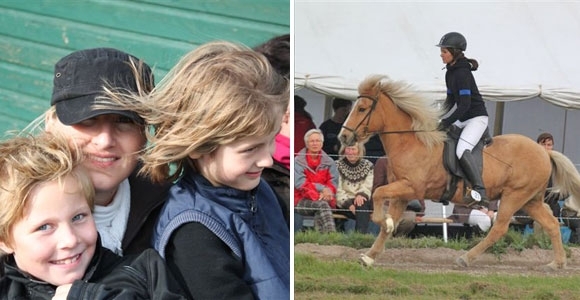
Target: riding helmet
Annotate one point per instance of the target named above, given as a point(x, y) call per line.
point(453, 40)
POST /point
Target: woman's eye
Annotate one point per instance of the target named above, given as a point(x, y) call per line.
point(123, 119)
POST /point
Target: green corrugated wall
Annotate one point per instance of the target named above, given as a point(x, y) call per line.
point(35, 34)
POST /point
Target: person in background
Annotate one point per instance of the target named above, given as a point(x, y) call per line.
point(571, 218)
point(374, 148)
point(380, 178)
point(49, 243)
point(315, 182)
point(480, 216)
point(221, 231)
point(277, 51)
point(302, 123)
point(551, 197)
point(126, 205)
point(546, 140)
point(470, 113)
point(355, 182)
point(331, 127)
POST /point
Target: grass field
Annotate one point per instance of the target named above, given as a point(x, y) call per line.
point(316, 278)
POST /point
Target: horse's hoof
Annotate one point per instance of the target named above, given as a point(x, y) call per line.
point(462, 261)
point(553, 266)
point(366, 261)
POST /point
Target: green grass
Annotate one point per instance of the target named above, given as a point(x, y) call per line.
point(338, 279)
point(316, 279)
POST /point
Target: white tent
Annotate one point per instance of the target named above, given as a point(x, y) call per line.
point(525, 49)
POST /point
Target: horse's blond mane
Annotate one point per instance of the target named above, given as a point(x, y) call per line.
point(425, 116)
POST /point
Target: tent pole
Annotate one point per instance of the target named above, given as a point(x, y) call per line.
point(498, 123)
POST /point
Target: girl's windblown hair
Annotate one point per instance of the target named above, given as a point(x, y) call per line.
point(216, 94)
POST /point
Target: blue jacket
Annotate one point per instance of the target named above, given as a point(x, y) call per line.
point(250, 223)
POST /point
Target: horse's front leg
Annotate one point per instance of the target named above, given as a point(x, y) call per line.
point(392, 192)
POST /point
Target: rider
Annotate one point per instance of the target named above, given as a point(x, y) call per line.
point(470, 114)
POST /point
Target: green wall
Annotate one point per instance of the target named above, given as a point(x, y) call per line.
point(35, 34)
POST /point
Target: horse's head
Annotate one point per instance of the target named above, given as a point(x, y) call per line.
point(408, 113)
point(361, 123)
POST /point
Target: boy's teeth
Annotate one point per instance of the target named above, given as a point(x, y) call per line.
point(67, 261)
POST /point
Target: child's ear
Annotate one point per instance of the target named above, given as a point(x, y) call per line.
point(5, 248)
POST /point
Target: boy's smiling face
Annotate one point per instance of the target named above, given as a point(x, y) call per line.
point(56, 238)
point(238, 164)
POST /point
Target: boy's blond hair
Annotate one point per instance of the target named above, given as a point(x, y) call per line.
point(216, 94)
point(26, 162)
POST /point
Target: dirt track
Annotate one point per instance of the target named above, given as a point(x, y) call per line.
point(442, 260)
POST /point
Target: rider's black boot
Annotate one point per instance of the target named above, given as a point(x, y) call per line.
point(472, 172)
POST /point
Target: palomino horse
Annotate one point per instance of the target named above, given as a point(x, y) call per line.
point(515, 168)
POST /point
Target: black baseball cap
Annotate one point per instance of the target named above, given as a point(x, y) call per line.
point(81, 76)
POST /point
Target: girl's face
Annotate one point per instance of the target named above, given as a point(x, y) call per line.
point(351, 154)
point(110, 142)
point(238, 164)
point(56, 238)
point(446, 56)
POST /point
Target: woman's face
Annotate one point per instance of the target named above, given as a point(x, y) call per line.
point(351, 154)
point(314, 143)
point(446, 56)
point(111, 143)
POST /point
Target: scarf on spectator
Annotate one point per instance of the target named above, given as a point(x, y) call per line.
point(111, 220)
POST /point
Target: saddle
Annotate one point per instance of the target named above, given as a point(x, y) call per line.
point(451, 162)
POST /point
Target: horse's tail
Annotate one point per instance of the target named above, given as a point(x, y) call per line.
point(565, 176)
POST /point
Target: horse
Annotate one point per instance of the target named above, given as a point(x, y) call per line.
point(516, 169)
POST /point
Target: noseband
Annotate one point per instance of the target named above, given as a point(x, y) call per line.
point(367, 117)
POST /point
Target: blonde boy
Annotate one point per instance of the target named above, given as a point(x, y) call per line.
point(49, 243)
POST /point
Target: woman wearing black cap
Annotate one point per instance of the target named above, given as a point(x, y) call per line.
point(126, 205)
point(470, 114)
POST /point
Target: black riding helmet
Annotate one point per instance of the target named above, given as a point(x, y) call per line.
point(453, 40)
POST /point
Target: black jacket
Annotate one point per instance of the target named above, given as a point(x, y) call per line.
point(146, 202)
point(462, 90)
point(278, 177)
point(108, 276)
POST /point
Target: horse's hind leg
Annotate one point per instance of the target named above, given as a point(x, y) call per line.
point(539, 213)
point(500, 227)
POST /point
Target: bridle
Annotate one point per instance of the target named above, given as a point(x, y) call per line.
point(367, 118)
